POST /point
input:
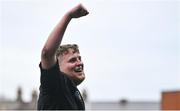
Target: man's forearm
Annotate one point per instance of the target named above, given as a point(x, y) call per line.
point(56, 36)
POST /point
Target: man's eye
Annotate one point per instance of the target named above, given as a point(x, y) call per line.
point(72, 60)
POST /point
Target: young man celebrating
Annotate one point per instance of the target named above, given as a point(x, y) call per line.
point(61, 68)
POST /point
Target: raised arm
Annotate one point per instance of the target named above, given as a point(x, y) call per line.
point(48, 54)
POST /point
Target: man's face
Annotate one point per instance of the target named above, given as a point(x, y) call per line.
point(71, 64)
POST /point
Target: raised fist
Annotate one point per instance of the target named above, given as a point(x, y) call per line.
point(78, 11)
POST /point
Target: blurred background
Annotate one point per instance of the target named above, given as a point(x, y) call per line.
point(130, 49)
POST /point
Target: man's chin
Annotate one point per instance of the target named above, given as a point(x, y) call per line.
point(78, 80)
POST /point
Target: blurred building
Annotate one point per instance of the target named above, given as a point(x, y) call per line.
point(19, 104)
point(121, 105)
point(170, 100)
point(128, 105)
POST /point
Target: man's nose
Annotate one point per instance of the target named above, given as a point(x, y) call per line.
point(79, 62)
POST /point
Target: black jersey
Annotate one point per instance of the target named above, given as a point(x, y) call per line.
point(58, 92)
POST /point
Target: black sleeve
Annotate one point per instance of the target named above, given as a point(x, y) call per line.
point(49, 78)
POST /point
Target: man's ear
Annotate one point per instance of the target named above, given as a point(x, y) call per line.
point(61, 58)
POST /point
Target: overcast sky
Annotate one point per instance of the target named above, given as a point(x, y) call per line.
point(130, 48)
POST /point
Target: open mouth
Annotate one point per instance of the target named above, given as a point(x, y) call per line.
point(78, 68)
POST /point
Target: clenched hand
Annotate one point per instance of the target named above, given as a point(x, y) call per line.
point(78, 11)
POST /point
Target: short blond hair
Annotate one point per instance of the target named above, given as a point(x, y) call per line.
point(64, 48)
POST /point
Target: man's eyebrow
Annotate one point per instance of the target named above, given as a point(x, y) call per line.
point(75, 57)
point(70, 58)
